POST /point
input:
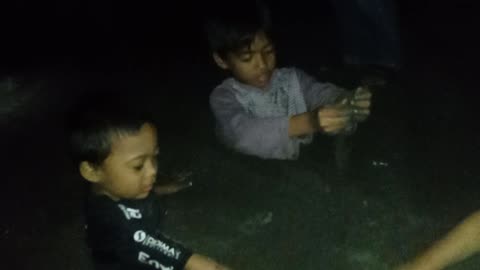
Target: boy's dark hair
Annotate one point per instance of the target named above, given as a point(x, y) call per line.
point(231, 27)
point(95, 121)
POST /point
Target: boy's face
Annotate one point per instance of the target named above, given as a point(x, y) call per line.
point(131, 167)
point(252, 65)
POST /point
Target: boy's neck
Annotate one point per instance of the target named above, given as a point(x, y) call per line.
point(98, 191)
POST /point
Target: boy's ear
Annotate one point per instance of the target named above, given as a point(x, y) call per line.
point(219, 61)
point(89, 172)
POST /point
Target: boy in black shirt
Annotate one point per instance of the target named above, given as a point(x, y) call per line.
point(116, 151)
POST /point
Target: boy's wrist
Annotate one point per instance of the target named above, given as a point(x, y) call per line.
point(314, 120)
point(303, 124)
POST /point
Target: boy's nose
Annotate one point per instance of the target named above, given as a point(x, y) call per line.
point(152, 169)
point(261, 62)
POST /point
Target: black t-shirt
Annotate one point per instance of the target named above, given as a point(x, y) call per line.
point(126, 235)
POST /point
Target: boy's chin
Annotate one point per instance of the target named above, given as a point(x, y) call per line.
point(263, 82)
point(256, 83)
point(142, 196)
point(261, 85)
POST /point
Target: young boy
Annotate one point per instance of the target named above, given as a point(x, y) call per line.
point(264, 110)
point(460, 243)
point(116, 152)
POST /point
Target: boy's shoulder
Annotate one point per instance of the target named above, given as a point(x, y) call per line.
point(287, 71)
point(101, 210)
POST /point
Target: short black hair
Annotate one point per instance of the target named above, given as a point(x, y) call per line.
point(95, 120)
point(232, 27)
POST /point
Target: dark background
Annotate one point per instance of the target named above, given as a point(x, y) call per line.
point(99, 34)
point(106, 44)
point(429, 110)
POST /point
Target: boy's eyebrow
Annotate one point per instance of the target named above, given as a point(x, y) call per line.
point(142, 156)
point(249, 50)
point(267, 45)
point(244, 51)
point(136, 157)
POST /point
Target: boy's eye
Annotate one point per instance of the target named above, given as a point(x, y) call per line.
point(269, 51)
point(138, 167)
point(245, 57)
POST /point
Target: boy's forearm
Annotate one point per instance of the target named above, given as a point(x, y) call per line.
point(303, 124)
point(462, 242)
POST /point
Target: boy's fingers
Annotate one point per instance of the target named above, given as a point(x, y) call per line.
point(183, 176)
point(334, 124)
point(335, 120)
point(362, 104)
point(341, 120)
point(362, 113)
point(182, 186)
point(334, 111)
point(345, 101)
point(333, 129)
point(361, 90)
point(362, 97)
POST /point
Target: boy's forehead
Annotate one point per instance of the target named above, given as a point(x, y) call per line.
point(261, 41)
point(143, 141)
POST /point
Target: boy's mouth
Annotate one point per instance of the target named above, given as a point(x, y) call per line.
point(263, 79)
point(148, 188)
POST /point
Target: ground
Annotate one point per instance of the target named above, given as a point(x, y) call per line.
point(402, 191)
point(412, 175)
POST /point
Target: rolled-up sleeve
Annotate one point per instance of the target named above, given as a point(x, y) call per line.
point(262, 137)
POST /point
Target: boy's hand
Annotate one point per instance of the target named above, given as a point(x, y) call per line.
point(360, 103)
point(177, 184)
point(333, 119)
point(200, 262)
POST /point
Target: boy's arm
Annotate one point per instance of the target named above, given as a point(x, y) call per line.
point(200, 262)
point(302, 124)
point(171, 184)
point(460, 243)
point(269, 137)
point(327, 102)
point(329, 119)
point(317, 93)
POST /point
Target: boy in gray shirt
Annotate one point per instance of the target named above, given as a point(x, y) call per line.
point(267, 111)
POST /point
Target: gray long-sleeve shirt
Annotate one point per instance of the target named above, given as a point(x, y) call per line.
point(255, 121)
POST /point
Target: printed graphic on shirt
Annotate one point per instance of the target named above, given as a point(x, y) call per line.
point(150, 242)
point(130, 212)
point(145, 258)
